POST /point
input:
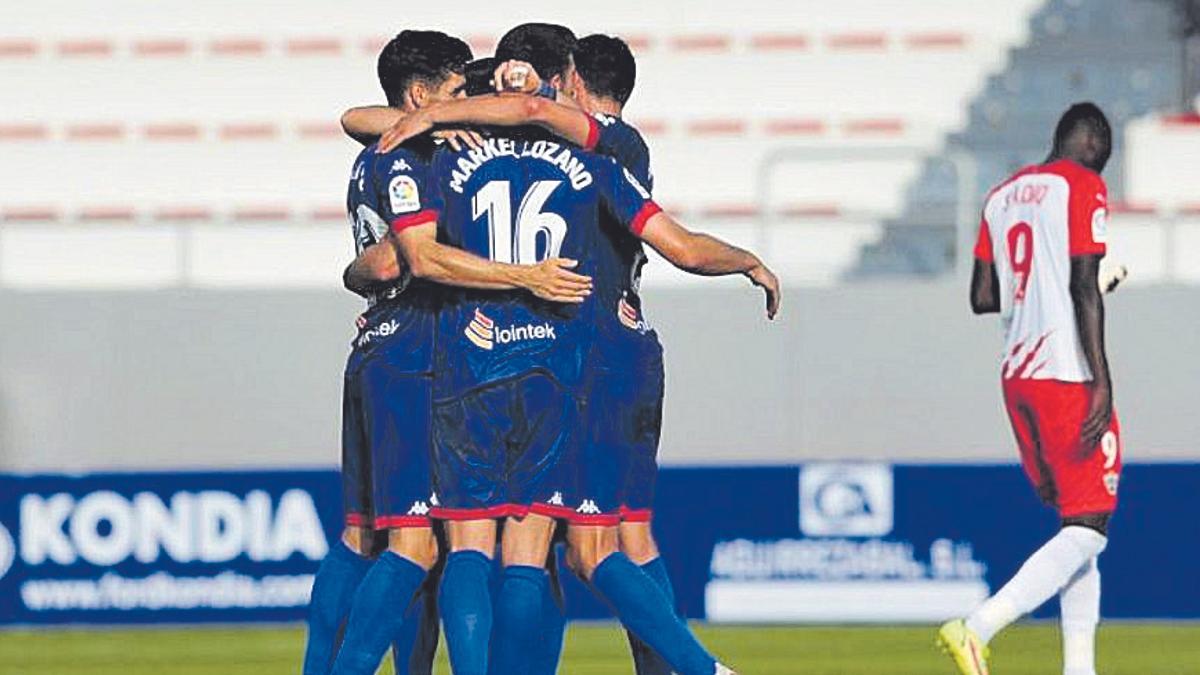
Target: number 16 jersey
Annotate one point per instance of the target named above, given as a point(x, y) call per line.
point(1033, 224)
point(522, 199)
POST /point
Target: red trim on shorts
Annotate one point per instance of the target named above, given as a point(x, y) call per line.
point(639, 221)
point(488, 513)
point(593, 136)
point(636, 515)
point(412, 220)
point(391, 522)
point(574, 517)
point(356, 520)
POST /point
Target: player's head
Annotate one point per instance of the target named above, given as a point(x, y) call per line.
point(479, 76)
point(419, 67)
point(545, 46)
point(604, 69)
point(1083, 135)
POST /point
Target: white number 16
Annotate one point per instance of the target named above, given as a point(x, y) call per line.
point(495, 201)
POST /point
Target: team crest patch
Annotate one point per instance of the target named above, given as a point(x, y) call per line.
point(629, 317)
point(481, 331)
point(404, 195)
point(1110, 482)
point(1100, 225)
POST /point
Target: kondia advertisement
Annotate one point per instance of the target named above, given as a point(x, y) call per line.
point(161, 547)
point(823, 542)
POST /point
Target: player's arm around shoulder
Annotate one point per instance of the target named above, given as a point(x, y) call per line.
point(366, 124)
point(377, 266)
point(551, 279)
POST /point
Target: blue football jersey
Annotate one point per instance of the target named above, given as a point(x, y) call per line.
point(521, 199)
point(620, 255)
point(385, 193)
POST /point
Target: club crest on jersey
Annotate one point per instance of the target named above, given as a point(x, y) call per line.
point(1111, 479)
point(629, 317)
point(404, 195)
point(1100, 225)
point(483, 333)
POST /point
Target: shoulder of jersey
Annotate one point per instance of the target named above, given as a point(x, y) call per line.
point(1076, 174)
point(619, 123)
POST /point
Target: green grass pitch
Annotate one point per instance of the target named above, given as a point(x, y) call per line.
point(595, 649)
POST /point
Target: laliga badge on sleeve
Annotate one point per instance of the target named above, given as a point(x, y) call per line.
point(404, 195)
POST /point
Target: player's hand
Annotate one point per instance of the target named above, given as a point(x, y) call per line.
point(513, 75)
point(1098, 417)
point(765, 279)
point(410, 126)
point(460, 138)
point(1111, 276)
point(553, 280)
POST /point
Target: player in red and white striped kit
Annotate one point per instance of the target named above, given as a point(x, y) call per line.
point(1036, 263)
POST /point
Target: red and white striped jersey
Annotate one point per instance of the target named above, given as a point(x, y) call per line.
point(1032, 225)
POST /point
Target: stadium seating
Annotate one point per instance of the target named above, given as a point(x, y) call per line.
point(846, 141)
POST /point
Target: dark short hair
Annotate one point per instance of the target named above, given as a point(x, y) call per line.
point(419, 56)
point(606, 66)
point(1085, 118)
point(479, 76)
point(545, 46)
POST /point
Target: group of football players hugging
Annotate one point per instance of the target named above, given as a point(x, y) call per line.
point(503, 395)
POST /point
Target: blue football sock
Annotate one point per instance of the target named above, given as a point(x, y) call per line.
point(403, 643)
point(518, 609)
point(413, 652)
point(377, 615)
point(646, 661)
point(553, 627)
point(466, 605)
point(640, 605)
point(333, 590)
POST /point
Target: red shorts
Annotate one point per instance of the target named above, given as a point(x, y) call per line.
point(1046, 417)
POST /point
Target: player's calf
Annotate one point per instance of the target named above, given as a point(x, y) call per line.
point(333, 591)
point(380, 604)
point(637, 542)
point(639, 603)
point(465, 597)
point(523, 592)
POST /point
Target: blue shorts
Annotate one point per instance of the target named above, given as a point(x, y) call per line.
point(502, 449)
point(619, 461)
point(386, 434)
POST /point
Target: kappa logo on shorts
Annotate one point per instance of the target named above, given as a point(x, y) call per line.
point(419, 509)
point(483, 333)
point(556, 499)
point(588, 507)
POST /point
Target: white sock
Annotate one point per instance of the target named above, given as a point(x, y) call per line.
point(1080, 601)
point(1042, 575)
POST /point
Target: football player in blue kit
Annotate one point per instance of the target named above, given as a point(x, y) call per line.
point(386, 429)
